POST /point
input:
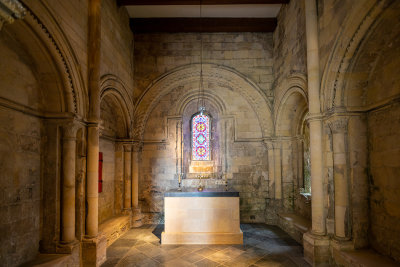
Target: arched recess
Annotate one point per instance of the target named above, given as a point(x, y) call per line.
point(40, 84)
point(291, 106)
point(357, 25)
point(372, 90)
point(113, 91)
point(221, 76)
point(48, 32)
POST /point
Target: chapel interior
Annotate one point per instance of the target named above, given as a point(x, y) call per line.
point(110, 107)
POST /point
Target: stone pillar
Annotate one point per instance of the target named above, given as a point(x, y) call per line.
point(92, 195)
point(271, 168)
point(68, 184)
point(94, 246)
point(342, 198)
point(316, 243)
point(136, 213)
point(270, 212)
point(119, 178)
point(278, 170)
point(127, 178)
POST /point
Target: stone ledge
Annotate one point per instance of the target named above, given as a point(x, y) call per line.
point(114, 228)
point(294, 225)
point(364, 258)
point(49, 260)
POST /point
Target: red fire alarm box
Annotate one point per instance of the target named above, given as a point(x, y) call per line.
point(100, 172)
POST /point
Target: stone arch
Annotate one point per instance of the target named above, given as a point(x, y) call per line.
point(112, 88)
point(194, 94)
point(357, 25)
point(55, 43)
point(291, 106)
point(374, 65)
point(219, 75)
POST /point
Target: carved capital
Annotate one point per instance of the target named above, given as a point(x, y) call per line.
point(10, 10)
point(127, 147)
point(119, 146)
point(338, 124)
point(137, 146)
point(69, 129)
point(268, 144)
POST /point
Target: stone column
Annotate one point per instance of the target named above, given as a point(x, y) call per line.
point(68, 184)
point(271, 167)
point(318, 216)
point(94, 41)
point(127, 178)
point(136, 213)
point(342, 199)
point(316, 244)
point(270, 213)
point(94, 246)
point(92, 195)
point(119, 178)
point(278, 170)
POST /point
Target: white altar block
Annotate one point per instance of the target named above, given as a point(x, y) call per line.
point(202, 218)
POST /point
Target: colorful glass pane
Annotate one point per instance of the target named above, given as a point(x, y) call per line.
point(201, 137)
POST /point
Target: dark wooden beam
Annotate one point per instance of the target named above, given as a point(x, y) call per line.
point(198, 2)
point(170, 25)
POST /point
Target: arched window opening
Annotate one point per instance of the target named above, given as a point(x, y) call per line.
point(201, 148)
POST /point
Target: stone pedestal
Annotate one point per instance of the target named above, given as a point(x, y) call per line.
point(316, 249)
point(94, 251)
point(208, 217)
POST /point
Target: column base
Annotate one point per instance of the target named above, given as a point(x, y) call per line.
point(136, 218)
point(94, 251)
point(316, 249)
point(67, 247)
point(127, 211)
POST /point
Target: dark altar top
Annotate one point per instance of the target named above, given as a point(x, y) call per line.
point(192, 192)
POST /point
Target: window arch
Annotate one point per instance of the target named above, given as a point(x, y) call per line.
point(201, 146)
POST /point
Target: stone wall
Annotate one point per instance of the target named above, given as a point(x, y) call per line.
point(19, 186)
point(384, 159)
point(248, 53)
point(289, 43)
point(20, 158)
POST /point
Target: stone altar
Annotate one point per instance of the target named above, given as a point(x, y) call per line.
point(207, 217)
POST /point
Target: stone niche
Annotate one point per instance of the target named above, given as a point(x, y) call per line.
point(212, 168)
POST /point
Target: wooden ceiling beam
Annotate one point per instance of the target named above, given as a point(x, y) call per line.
point(198, 2)
point(171, 25)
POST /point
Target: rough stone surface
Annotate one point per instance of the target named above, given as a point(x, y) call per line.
point(248, 53)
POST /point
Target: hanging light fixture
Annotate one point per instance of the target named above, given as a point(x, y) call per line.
point(200, 102)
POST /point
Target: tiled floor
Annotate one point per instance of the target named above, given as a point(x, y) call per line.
point(264, 245)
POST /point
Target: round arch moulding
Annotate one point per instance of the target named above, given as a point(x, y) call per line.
point(220, 75)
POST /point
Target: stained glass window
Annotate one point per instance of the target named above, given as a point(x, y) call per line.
point(201, 137)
